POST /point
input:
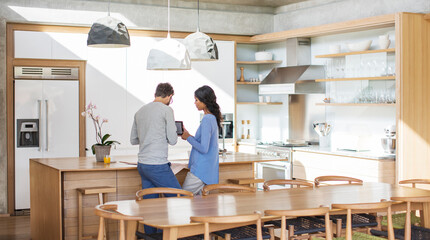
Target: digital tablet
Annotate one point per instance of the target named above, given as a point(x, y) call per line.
point(179, 127)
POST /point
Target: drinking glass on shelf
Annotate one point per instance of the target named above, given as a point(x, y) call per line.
point(328, 69)
point(383, 68)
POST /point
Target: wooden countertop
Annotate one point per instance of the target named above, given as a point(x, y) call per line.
point(130, 162)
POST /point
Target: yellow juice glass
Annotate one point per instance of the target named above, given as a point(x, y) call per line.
point(106, 159)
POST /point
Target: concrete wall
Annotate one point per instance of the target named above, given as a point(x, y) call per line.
point(318, 12)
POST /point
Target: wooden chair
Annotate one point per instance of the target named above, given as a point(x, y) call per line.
point(226, 187)
point(304, 226)
point(102, 197)
point(161, 191)
point(230, 220)
point(400, 218)
point(332, 178)
point(292, 183)
point(414, 182)
point(407, 233)
point(301, 213)
point(364, 207)
point(108, 212)
point(251, 182)
point(240, 232)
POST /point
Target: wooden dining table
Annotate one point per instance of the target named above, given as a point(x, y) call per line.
point(173, 214)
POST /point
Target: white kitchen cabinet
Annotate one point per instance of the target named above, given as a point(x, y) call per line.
point(69, 46)
point(309, 165)
point(32, 45)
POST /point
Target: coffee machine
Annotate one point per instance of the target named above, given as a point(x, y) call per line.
point(27, 132)
point(228, 119)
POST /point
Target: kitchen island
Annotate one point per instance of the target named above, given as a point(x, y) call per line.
point(54, 198)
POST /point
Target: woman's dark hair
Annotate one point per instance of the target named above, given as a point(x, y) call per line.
point(163, 90)
point(207, 96)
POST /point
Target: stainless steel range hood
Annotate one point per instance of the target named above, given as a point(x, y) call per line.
point(298, 77)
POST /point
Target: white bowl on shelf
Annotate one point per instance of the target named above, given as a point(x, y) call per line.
point(360, 46)
point(263, 56)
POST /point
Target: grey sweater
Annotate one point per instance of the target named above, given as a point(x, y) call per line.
point(153, 128)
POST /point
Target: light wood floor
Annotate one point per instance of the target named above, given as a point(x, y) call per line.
point(15, 228)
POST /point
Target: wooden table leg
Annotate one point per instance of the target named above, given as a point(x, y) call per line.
point(131, 230)
point(425, 219)
point(170, 233)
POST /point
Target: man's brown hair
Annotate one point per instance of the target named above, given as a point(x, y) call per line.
point(163, 90)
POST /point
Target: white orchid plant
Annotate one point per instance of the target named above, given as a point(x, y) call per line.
point(102, 140)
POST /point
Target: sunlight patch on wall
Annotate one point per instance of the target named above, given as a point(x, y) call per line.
point(49, 15)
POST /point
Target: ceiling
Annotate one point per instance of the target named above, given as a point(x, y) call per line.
point(260, 3)
point(256, 3)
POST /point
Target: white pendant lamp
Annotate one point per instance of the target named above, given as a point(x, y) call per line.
point(200, 46)
point(108, 32)
point(168, 54)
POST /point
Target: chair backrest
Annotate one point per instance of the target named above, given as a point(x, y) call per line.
point(325, 179)
point(302, 213)
point(362, 207)
point(250, 218)
point(415, 181)
point(161, 191)
point(408, 201)
point(226, 187)
point(108, 211)
point(292, 183)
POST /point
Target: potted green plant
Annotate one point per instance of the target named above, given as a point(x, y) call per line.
point(103, 145)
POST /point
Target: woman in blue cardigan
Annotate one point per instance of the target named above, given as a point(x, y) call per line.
point(204, 157)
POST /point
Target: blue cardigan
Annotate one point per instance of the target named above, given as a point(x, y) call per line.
point(204, 157)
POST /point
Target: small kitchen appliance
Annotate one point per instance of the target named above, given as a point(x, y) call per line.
point(389, 141)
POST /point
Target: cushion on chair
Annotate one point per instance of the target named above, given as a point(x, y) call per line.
point(358, 220)
point(399, 220)
point(159, 236)
point(244, 233)
point(356, 236)
point(303, 225)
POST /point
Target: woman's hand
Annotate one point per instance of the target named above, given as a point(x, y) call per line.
point(185, 134)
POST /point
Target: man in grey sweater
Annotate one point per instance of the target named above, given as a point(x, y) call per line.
point(153, 129)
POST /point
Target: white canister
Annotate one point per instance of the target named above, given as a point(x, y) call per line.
point(384, 41)
point(263, 56)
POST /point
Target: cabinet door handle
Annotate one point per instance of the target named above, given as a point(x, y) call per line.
point(46, 129)
point(38, 129)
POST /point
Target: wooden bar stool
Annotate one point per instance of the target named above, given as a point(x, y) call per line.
point(102, 194)
point(246, 181)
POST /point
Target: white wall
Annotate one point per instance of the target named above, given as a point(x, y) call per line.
point(365, 122)
point(119, 84)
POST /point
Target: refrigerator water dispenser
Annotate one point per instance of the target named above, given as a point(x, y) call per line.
point(27, 132)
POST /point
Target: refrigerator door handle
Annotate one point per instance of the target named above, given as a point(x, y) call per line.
point(40, 117)
point(46, 126)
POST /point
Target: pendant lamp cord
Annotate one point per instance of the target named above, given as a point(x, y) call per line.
point(109, 8)
point(168, 19)
point(198, 15)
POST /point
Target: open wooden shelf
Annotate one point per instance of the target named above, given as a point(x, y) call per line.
point(260, 103)
point(354, 53)
point(259, 62)
point(356, 79)
point(356, 104)
point(248, 83)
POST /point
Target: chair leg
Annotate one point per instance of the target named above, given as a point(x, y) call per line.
point(290, 232)
point(272, 233)
point(227, 236)
point(104, 200)
point(121, 230)
point(80, 219)
point(101, 229)
point(338, 227)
